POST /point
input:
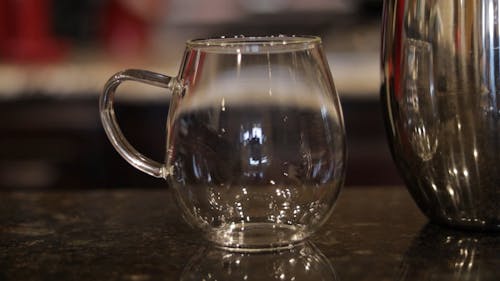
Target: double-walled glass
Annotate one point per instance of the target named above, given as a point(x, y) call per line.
point(255, 147)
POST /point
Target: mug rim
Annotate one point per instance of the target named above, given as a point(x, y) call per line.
point(254, 43)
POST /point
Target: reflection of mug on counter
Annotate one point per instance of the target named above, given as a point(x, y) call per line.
point(300, 263)
point(255, 147)
point(444, 254)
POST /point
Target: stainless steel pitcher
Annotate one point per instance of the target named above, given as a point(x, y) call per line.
point(441, 99)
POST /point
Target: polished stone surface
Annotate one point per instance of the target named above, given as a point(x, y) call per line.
point(375, 233)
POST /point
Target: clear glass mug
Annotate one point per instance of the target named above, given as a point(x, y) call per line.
point(255, 150)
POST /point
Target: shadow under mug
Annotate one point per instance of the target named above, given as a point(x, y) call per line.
point(255, 150)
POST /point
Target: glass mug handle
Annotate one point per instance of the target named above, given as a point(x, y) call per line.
point(111, 127)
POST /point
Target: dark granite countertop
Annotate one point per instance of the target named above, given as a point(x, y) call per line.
point(375, 233)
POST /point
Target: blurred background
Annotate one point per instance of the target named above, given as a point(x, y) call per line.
point(55, 56)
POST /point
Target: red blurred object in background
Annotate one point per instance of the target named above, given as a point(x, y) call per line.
point(127, 26)
point(27, 32)
point(124, 33)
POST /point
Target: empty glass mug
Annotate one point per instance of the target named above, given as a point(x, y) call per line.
point(255, 150)
point(441, 94)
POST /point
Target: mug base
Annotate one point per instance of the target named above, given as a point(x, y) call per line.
point(258, 237)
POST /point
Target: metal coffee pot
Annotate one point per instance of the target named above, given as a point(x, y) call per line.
point(441, 99)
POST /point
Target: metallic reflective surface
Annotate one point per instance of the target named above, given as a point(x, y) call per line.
point(441, 96)
point(302, 262)
point(444, 254)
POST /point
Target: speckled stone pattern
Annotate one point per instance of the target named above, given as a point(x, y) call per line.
point(375, 233)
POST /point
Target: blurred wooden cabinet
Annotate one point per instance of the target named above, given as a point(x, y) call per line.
point(50, 143)
point(59, 143)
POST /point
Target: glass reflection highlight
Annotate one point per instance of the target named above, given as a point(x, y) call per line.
point(302, 262)
point(444, 254)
